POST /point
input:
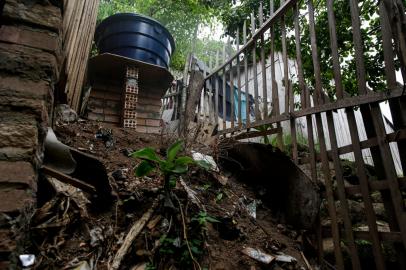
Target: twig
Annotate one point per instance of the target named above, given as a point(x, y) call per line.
point(132, 234)
point(306, 261)
point(185, 234)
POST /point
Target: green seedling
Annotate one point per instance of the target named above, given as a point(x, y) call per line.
point(202, 218)
point(169, 167)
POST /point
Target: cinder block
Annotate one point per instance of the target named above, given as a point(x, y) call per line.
point(19, 172)
point(130, 123)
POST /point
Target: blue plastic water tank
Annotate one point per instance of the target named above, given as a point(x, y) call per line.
point(137, 37)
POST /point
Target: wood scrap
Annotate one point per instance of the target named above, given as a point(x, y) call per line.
point(132, 235)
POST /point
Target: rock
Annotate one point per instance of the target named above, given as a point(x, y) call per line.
point(120, 174)
point(64, 114)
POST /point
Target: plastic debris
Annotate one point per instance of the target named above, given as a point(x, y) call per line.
point(96, 236)
point(250, 207)
point(285, 258)
point(209, 159)
point(27, 259)
point(258, 255)
point(107, 136)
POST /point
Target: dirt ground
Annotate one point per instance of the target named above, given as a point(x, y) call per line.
point(207, 235)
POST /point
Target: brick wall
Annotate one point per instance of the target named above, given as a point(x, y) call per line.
point(30, 56)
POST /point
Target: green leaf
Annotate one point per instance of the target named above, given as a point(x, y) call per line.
point(219, 197)
point(147, 154)
point(212, 220)
point(173, 150)
point(179, 169)
point(204, 164)
point(144, 168)
point(184, 161)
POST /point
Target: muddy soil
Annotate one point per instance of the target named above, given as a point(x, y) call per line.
point(216, 234)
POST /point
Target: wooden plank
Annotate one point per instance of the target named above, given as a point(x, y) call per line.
point(390, 172)
point(216, 87)
point(323, 150)
point(254, 134)
point(224, 90)
point(348, 226)
point(87, 37)
point(275, 94)
point(231, 93)
point(339, 104)
point(69, 180)
point(376, 186)
point(239, 83)
point(254, 70)
point(270, 22)
point(263, 65)
point(304, 95)
point(363, 178)
point(247, 93)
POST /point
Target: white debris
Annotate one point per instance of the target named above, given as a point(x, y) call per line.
point(258, 255)
point(285, 258)
point(209, 159)
point(27, 259)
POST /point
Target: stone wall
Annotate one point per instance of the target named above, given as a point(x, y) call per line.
point(30, 60)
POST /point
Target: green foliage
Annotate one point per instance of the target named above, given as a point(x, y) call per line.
point(202, 218)
point(234, 17)
point(181, 17)
point(169, 167)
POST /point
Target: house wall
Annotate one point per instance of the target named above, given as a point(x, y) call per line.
point(31, 59)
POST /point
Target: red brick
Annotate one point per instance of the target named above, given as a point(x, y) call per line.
point(31, 38)
point(154, 130)
point(14, 200)
point(19, 172)
point(153, 123)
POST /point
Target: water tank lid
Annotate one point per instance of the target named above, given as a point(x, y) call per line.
point(132, 16)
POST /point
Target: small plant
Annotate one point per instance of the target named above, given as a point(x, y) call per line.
point(169, 167)
point(202, 218)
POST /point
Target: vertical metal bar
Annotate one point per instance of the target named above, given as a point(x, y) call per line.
point(247, 93)
point(239, 81)
point(263, 65)
point(254, 69)
point(275, 94)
